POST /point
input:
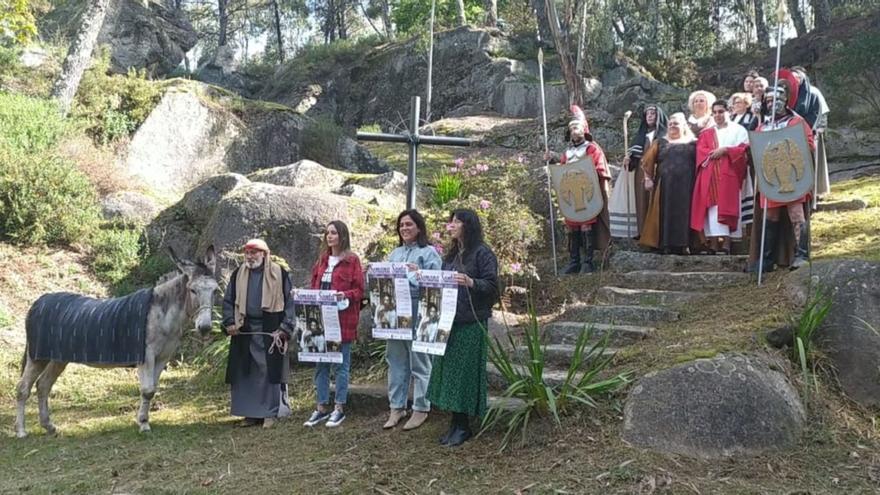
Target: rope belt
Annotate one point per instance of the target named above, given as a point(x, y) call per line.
point(277, 341)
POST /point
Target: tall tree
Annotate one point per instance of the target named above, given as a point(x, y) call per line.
point(278, 37)
point(459, 5)
point(822, 13)
point(491, 7)
point(797, 17)
point(564, 42)
point(79, 56)
point(761, 24)
point(222, 22)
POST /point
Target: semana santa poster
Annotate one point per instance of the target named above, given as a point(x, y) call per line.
point(317, 323)
point(390, 301)
point(437, 306)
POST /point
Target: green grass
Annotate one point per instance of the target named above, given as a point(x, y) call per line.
point(850, 234)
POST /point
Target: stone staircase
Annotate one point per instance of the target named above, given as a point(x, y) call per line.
point(646, 293)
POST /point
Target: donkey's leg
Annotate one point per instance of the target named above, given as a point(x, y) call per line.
point(44, 386)
point(147, 377)
point(32, 370)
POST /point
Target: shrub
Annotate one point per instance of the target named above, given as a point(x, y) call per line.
point(524, 375)
point(44, 199)
point(114, 106)
point(321, 142)
point(854, 76)
point(447, 187)
point(815, 311)
point(30, 125)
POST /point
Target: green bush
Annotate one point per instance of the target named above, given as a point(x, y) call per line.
point(854, 77)
point(321, 142)
point(114, 106)
point(447, 187)
point(44, 199)
point(30, 125)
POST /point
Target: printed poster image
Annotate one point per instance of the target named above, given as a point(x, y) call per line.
point(317, 324)
point(390, 302)
point(437, 307)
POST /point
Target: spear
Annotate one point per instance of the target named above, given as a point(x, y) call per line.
point(780, 19)
point(547, 150)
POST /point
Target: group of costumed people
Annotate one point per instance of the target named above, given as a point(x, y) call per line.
point(259, 316)
point(687, 184)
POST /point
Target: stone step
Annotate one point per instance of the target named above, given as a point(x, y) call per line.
point(627, 315)
point(567, 332)
point(629, 261)
point(681, 281)
point(560, 355)
point(644, 297)
point(552, 376)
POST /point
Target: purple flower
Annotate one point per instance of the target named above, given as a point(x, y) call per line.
point(521, 158)
point(485, 204)
point(482, 167)
point(435, 236)
point(439, 248)
point(459, 162)
point(515, 267)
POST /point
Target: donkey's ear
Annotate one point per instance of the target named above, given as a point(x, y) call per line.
point(177, 261)
point(210, 260)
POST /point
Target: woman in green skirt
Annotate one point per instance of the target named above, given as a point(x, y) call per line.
point(458, 378)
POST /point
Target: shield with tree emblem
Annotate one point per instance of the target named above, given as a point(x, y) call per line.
point(783, 163)
point(578, 190)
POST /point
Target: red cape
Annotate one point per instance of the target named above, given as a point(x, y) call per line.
point(732, 168)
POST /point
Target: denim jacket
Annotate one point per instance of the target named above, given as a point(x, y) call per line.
point(426, 258)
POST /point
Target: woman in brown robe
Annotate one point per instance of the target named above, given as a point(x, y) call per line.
point(669, 167)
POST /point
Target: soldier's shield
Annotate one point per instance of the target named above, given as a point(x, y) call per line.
point(783, 163)
point(578, 190)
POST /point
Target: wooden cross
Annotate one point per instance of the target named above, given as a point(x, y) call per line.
point(413, 139)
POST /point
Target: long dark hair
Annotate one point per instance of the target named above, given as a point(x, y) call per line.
point(419, 220)
point(344, 239)
point(471, 235)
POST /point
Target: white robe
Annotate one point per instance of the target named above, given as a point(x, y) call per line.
point(731, 135)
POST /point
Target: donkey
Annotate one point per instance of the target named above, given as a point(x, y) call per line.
point(166, 311)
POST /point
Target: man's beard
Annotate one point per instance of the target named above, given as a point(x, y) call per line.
point(253, 264)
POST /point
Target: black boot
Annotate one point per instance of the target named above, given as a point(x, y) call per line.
point(461, 432)
point(771, 236)
point(444, 439)
point(802, 250)
point(575, 240)
point(589, 247)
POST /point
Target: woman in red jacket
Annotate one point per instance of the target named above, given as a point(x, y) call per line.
point(337, 269)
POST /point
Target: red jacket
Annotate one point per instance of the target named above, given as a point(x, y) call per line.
point(348, 278)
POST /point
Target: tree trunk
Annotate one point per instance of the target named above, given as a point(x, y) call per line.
point(79, 56)
point(223, 22)
point(716, 22)
point(797, 17)
point(491, 13)
point(761, 24)
point(278, 36)
point(822, 12)
point(543, 24)
point(566, 61)
point(386, 19)
point(462, 20)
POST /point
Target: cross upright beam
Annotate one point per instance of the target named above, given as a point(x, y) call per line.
point(413, 139)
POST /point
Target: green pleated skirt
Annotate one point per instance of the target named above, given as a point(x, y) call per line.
point(458, 378)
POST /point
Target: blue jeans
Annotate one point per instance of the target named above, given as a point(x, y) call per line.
point(405, 365)
point(322, 378)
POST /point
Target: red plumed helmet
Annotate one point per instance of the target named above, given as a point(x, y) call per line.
point(579, 119)
point(788, 79)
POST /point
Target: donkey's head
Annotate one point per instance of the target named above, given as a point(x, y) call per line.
point(200, 288)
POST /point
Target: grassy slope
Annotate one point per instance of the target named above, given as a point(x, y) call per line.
point(195, 449)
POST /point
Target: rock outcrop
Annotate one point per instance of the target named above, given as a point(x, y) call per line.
point(726, 406)
point(206, 132)
point(146, 35)
point(287, 206)
point(850, 335)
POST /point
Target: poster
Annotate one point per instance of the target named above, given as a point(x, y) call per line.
point(390, 301)
point(437, 306)
point(317, 324)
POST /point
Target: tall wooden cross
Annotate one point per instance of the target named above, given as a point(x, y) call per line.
point(413, 139)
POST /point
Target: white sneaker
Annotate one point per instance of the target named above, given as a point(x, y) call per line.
point(336, 419)
point(316, 417)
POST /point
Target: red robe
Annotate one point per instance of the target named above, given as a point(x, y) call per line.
point(793, 119)
point(595, 152)
point(719, 182)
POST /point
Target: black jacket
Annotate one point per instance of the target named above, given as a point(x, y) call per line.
point(475, 303)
